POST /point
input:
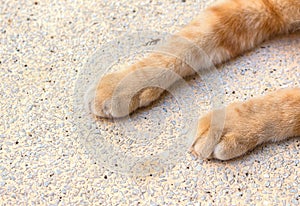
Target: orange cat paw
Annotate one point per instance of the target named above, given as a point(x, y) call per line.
point(118, 94)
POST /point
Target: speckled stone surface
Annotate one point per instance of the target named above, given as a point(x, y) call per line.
point(44, 47)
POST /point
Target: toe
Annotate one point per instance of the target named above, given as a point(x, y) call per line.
point(193, 152)
point(95, 105)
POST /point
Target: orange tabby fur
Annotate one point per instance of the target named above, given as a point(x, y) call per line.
point(273, 117)
point(221, 32)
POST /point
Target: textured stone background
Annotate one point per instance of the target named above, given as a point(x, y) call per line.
point(44, 46)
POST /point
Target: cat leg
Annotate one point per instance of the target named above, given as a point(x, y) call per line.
point(219, 33)
point(274, 117)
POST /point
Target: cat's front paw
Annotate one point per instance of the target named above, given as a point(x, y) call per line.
point(224, 134)
point(118, 94)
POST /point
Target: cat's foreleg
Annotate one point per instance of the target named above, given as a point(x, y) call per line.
point(219, 33)
point(273, 117)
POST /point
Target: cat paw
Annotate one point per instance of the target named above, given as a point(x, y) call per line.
point(223, 134)
point(118, 94)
